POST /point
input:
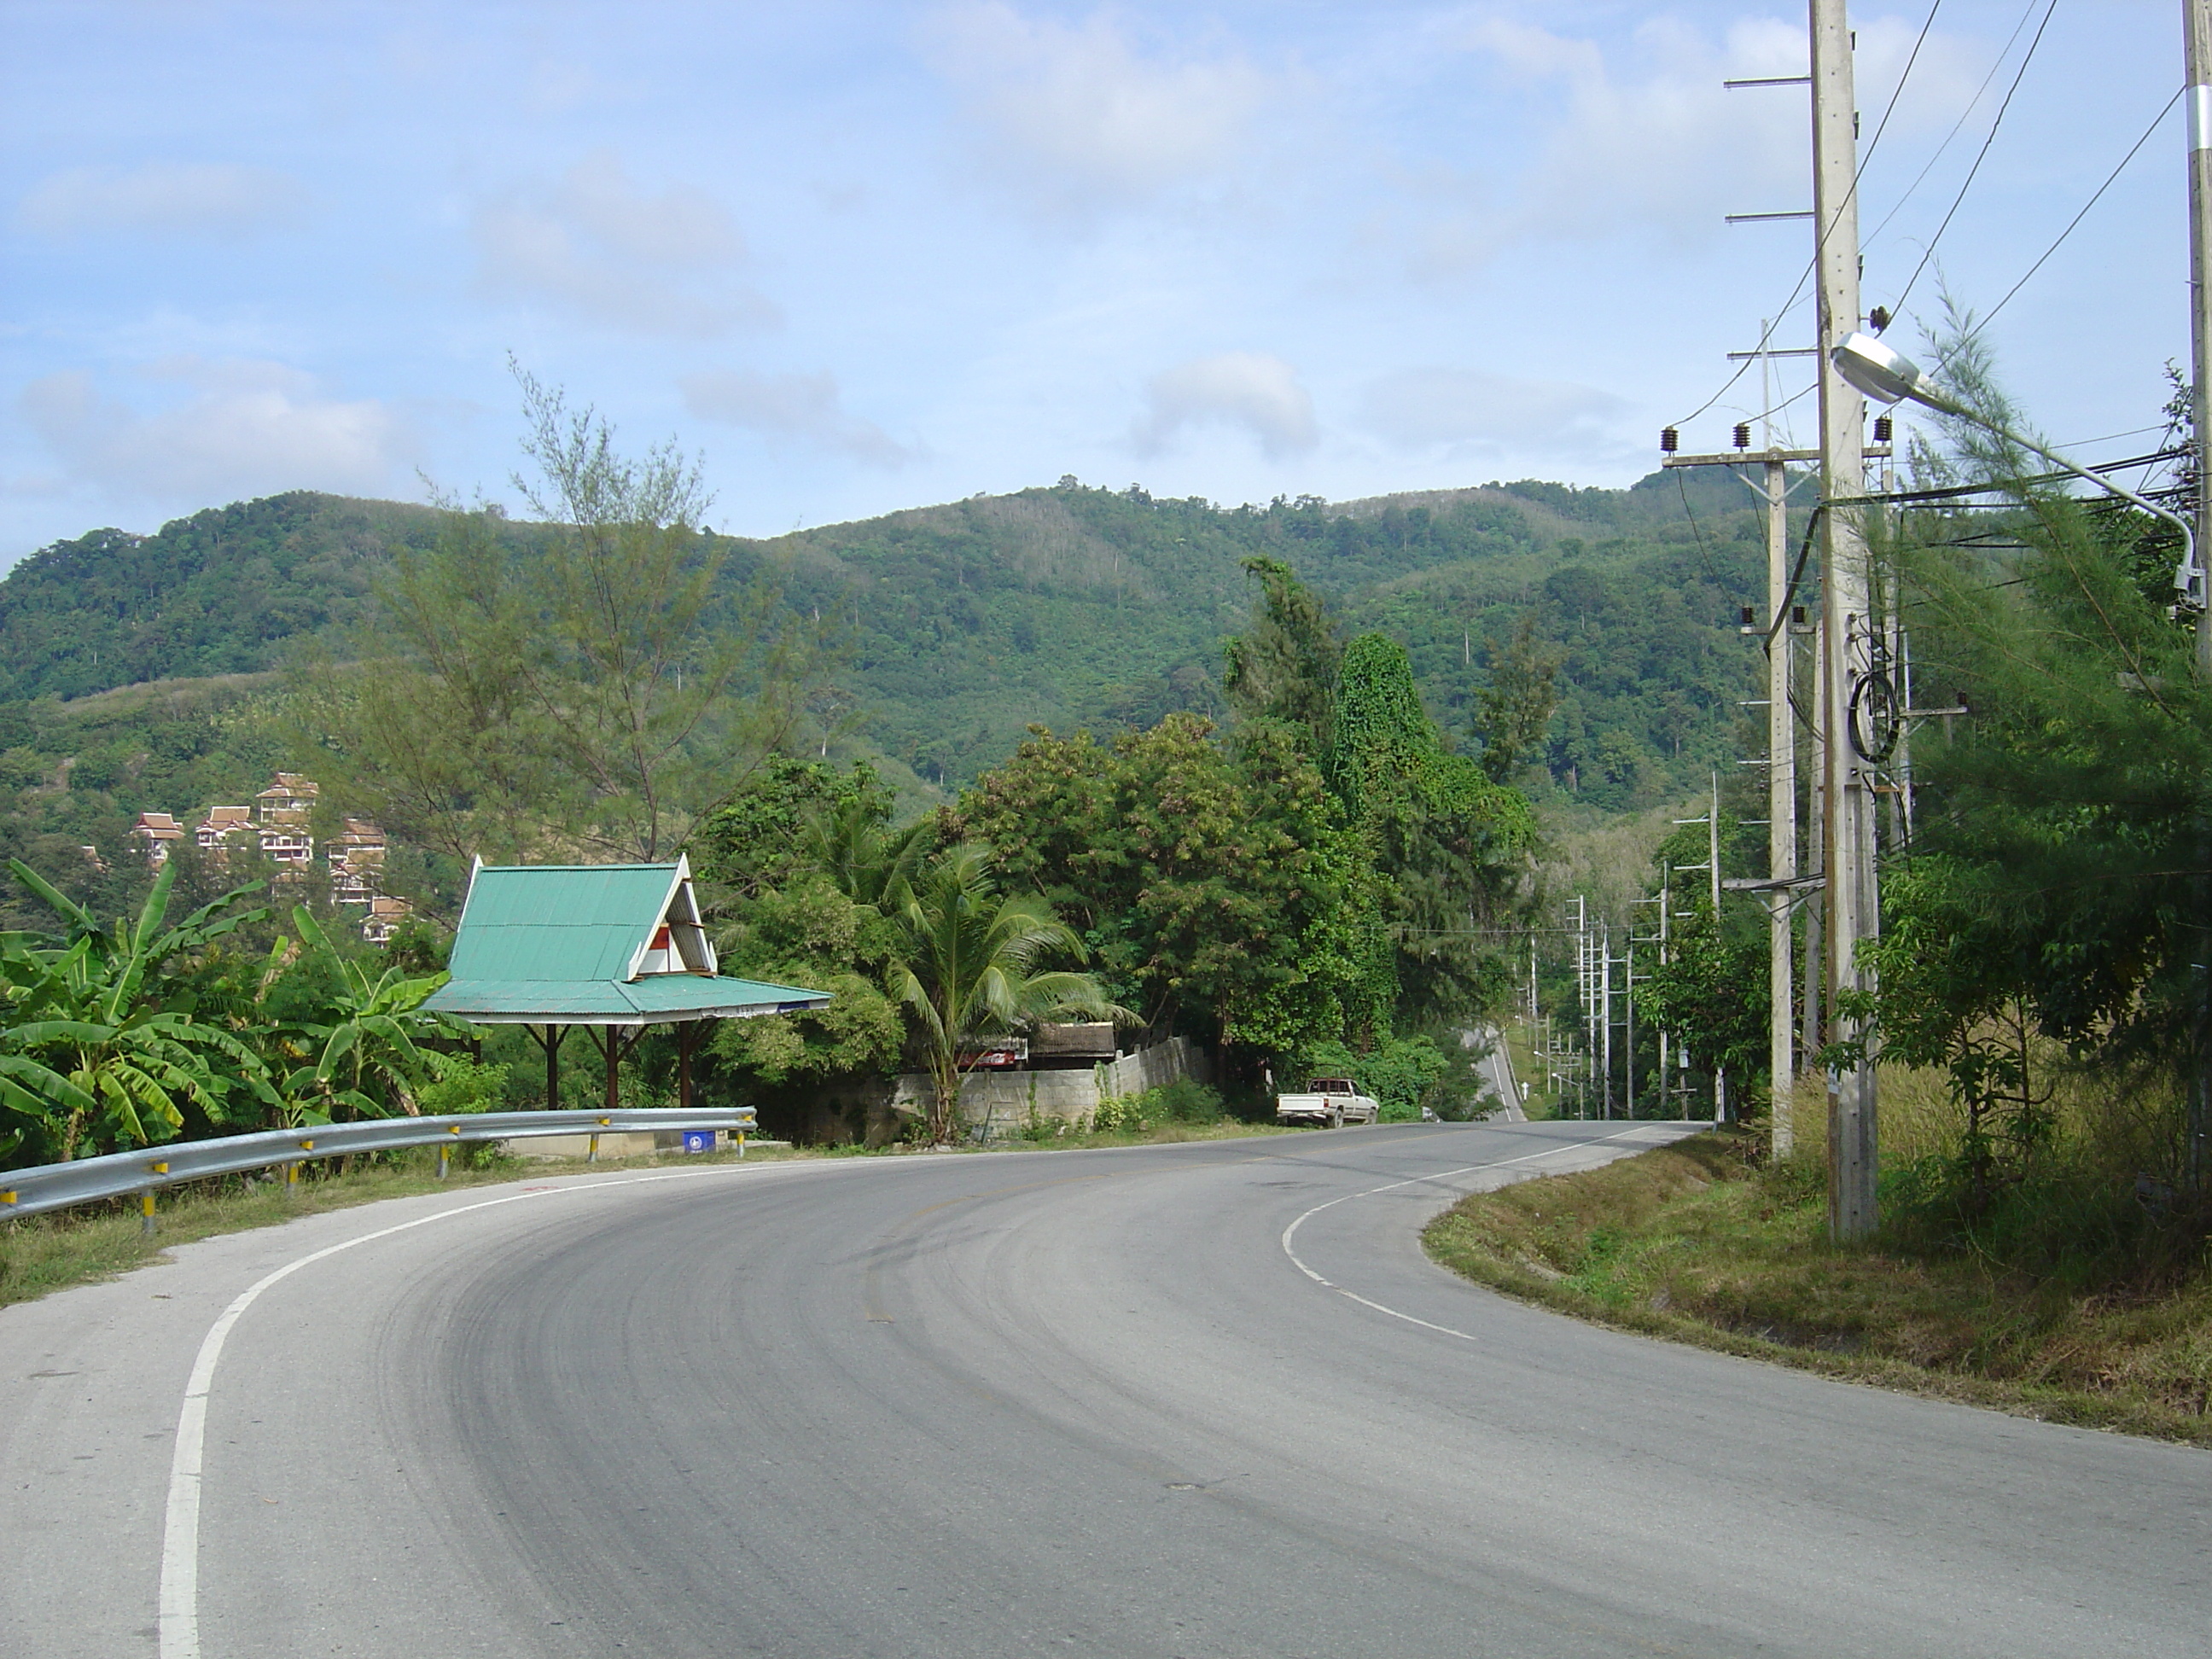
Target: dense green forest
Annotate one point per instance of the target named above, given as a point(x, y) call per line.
point(1324, 884)
point(217, 593)
point(139, 672)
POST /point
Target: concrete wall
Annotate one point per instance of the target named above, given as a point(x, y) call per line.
point(1002, 1099)
point(1157, 1067)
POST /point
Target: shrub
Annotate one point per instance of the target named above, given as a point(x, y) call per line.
point(1186, 1100)
point(1119, 1114)
point(461, 1086)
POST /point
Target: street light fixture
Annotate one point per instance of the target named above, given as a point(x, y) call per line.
point(1888, 376)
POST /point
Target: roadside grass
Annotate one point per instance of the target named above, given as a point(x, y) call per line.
point(42, 1253)
point(1699, 1243)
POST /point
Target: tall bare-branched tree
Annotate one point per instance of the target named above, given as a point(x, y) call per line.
point(589, 685)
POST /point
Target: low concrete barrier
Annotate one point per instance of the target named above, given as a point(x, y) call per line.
point(1002, 1099)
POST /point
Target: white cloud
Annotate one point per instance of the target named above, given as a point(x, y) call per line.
point(600, 245)
point(806, 408)
point(1468, 410)
point(1082, 118)
point(162, 198)
point(1665, 147)
point(1945, 77)
point(1652, 140)
point(247, 428)
point(1247, 389)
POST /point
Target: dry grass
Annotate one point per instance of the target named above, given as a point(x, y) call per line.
point(1919, 1119)
point(1697, 1243)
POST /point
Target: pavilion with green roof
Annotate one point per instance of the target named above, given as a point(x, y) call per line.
point(613, 948)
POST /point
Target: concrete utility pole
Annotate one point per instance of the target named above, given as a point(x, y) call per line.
point(1585, 993)
point(2196, 40)
point(1665, 903)
point(1809, 980)
point(1781, 782)
point(1781, 762)
point(1628, 1011)
point(1605, 1002)
point(1849, 834)
point(1713, 866)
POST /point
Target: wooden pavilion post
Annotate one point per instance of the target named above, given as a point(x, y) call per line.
point(686, 1034)
point(550, 1037)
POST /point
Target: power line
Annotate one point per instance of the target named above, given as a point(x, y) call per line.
point(2132, 432)
point(1959, 126)
point(1929, 252)
point(1880, 127)
point(1696, 530)
point(2084, 213)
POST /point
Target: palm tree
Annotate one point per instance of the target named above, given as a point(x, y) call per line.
point(964, 965)
point(869, 862)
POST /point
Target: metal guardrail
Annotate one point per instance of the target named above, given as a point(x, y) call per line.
point(120, 1175)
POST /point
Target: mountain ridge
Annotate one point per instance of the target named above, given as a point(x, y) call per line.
point(1062, 605)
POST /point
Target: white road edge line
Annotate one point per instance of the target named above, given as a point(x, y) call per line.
point(1414, 1180)
point(179, 1616)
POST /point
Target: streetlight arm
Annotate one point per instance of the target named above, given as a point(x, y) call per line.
point(1924, 393)
point(1888, 376)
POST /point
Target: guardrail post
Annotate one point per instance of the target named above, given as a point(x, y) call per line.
point(146, 1212)
point(444, 1151)
point(592, 1152)
point(741, 1143)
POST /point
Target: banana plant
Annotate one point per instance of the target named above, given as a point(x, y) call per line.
point(365, 1040)
point(89, 1054)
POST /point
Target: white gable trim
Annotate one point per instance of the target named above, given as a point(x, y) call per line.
point(679, 914)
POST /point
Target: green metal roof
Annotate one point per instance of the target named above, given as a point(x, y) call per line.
point(567, 922)
point(556, 943)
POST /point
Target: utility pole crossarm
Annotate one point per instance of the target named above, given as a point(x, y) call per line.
point(1747, 456)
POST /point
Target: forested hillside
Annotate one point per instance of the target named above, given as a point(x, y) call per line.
point(964, 624)
point(219, 592)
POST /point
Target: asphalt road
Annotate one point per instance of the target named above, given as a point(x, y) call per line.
point(1497, 1072)
point(1086, 1402)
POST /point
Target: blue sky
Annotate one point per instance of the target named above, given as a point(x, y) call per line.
point(867, 256)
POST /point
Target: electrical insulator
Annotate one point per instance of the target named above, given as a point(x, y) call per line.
point(1883, 426)
point(1796, 616)
point(1743, 435)
point(1669, 441)
point(1750, 617)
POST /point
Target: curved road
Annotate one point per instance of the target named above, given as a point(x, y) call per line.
point(1021, 1404)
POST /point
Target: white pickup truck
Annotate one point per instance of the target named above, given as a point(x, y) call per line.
point(1335, 1101)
